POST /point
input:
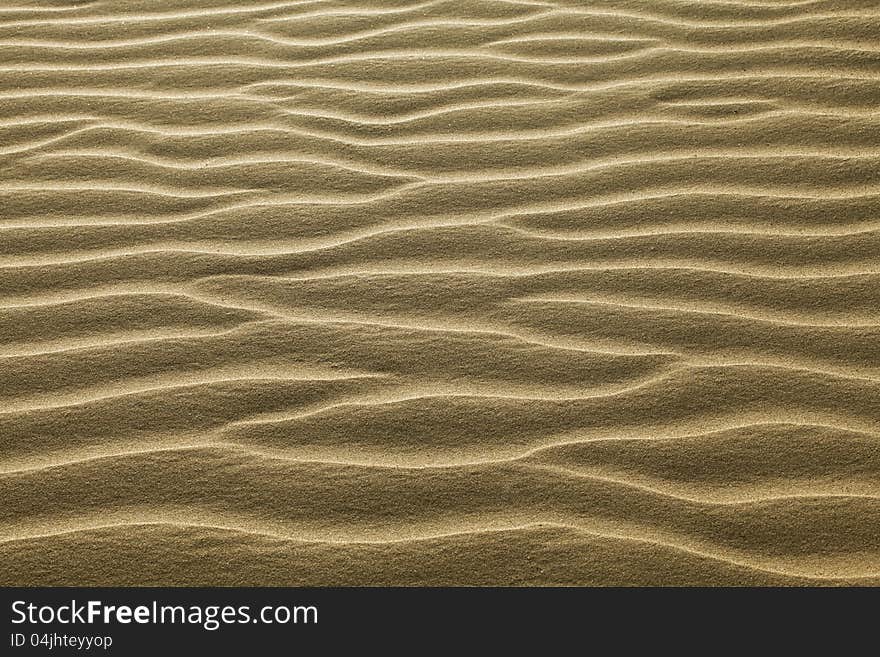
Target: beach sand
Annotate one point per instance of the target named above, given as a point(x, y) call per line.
point(472, 292)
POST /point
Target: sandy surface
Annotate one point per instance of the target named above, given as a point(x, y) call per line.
point(441, 292)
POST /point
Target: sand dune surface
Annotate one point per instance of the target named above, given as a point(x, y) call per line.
point(469, 292)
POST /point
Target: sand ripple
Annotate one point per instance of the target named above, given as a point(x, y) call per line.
point(441, 292)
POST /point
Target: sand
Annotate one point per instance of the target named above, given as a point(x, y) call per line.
point(464, 292)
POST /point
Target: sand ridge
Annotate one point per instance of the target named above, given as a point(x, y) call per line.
point(517, 292)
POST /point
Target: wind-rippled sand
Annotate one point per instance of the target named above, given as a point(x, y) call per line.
point(441, 292)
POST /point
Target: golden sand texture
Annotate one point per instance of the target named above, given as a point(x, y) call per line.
point(440, 292)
